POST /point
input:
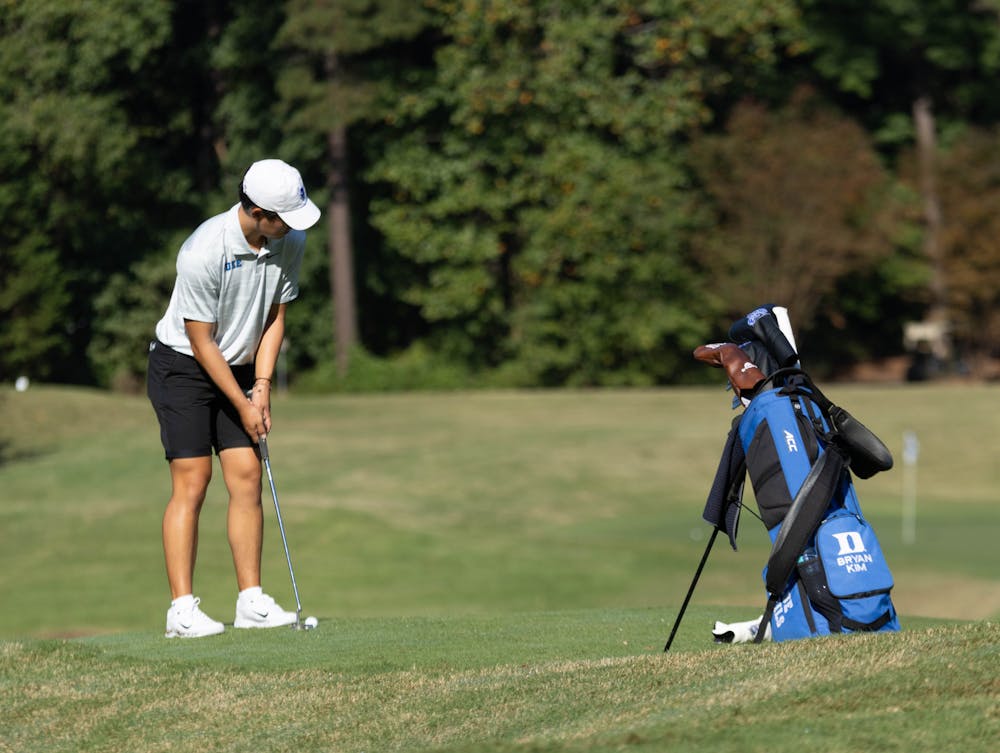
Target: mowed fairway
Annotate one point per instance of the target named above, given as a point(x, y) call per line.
point(492, 570)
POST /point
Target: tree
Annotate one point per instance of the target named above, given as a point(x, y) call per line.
point(539, 188)
point(125, 315)
point(918, 65)
point(802, 202)
point(83, 99)
point(970, 192)
point(338, 75)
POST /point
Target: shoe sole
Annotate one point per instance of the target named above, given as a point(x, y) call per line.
point(249, 624)
point(178, 634)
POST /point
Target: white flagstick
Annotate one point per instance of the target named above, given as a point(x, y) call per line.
point(911, 453)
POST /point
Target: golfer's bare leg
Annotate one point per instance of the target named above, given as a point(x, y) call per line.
point(189, 478)
point(245, 522)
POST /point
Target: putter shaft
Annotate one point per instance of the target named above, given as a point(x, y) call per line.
point(265, 457)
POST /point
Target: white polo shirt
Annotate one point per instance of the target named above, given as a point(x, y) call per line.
point(221, 280)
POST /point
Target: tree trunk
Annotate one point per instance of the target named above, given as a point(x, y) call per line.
point(923, 120)
point(345, 328)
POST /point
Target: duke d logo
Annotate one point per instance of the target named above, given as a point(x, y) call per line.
point(853, 556)
point(850, 543)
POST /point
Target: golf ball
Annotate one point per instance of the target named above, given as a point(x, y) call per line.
point(311, 622)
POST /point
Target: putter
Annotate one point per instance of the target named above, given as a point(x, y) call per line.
point(265, 457)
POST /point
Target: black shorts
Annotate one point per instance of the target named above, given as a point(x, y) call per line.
point(195, 417)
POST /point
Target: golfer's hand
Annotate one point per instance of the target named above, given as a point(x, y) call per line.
point(254, 422)
point(260, 396)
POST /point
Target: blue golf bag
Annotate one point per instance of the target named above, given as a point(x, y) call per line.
point(826, 573)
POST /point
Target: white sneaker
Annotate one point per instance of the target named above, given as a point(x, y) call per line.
point(191, 622)
point(261, 611)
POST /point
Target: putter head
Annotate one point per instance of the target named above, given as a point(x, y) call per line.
point(309, 623)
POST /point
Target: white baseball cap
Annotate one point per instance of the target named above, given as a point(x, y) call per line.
point(277, 187)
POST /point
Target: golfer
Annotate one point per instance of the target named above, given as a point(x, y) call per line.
point(210, 372)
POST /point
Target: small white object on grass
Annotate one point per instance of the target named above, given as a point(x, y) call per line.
point(311, 622)
point(22, 383)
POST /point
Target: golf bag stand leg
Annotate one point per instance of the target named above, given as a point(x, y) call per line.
point(694, 582)
point(765, 618)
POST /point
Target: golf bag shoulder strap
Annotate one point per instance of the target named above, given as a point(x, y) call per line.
point(866, 453)
point(817, 417)
point(803, 518)
point(800, 523)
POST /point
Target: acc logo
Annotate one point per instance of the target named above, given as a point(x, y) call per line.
point(790, 441)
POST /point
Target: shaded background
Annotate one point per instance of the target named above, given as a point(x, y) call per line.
point(518, 193)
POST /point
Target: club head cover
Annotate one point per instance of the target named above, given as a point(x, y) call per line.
point(758, 353)
point(761, 324)
point(868, 453)
point(744, 375)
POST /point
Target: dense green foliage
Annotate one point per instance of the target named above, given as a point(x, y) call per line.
point(543, 196)
point(540, 192)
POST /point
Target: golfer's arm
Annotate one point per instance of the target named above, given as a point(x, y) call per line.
point(270, 342)
point(207, 354)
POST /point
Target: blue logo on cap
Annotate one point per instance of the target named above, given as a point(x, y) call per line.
point(302, 193)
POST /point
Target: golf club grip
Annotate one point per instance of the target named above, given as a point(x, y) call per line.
point(261, 438)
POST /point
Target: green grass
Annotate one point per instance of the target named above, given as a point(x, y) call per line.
point(492, 571)
point(567, 681)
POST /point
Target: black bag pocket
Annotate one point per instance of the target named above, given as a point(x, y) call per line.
point(766, 475)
